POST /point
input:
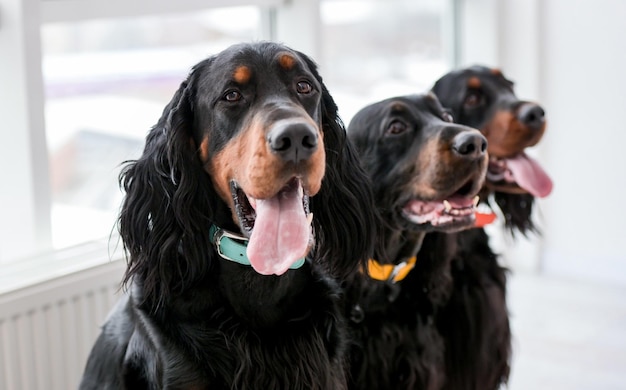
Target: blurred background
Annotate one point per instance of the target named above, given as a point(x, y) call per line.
point(82, 82)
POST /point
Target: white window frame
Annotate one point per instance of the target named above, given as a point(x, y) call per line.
point(25, 195)
point(25, 199)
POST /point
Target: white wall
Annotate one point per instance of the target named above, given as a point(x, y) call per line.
point(570, 55)
point(584, 75)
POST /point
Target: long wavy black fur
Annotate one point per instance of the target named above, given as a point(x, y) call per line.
point(182, 325)
point(517, 210)
point(168, 206)
point(346, 203)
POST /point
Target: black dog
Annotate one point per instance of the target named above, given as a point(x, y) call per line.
point(475, 322)
point(247, 151)
point(483, 98)
point(426, 173)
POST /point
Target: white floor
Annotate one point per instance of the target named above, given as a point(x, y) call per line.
point(567, 334)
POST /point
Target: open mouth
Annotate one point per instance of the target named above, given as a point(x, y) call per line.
point(455, 211)
point(519, 171)
point(278, 228)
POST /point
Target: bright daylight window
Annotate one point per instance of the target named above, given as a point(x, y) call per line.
point(375, 49)
point(107, 82)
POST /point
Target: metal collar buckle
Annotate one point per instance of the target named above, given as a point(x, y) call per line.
point(237, 241)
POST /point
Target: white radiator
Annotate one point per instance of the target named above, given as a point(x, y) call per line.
point(47, 328)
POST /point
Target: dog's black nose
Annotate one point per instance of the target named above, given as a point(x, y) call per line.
point(531, 115)
point(293, 141)
point(470, 144)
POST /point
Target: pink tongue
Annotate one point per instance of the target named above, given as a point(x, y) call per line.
point(281, 233)
point(460, 202)
point(529, 175)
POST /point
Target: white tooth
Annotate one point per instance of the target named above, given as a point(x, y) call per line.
point(476, 200)
point(447, 206)
point(309, 218)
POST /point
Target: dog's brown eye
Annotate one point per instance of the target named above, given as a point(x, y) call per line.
point(447, 117)
point(304, 87)
point(396, 127)
point(473, 99)
point(232, 96)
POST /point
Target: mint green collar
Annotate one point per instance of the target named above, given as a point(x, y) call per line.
point(231, 246)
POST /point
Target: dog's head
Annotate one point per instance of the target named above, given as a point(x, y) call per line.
point(251, 142)
point(267, 157)
point(426, 170)
point(483, 98)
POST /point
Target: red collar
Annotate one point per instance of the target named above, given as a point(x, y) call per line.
point(483, 219)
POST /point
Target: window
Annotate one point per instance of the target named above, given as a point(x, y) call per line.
point(373, 50)
point(97, 74)
point(106, 83)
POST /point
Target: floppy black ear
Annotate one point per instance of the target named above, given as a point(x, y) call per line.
point(517, 210)
point(165, 215)
point(345, 219)
point(448, 95)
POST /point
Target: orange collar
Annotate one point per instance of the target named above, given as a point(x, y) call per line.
point(397, 272)
point(390, 272)
point(484, 219)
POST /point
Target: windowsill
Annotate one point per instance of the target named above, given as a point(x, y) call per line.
point(31, 271)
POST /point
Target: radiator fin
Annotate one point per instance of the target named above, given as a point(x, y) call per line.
point(48, 329)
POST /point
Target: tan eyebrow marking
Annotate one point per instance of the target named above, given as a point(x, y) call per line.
point(286, 61)
point(242, 74)
point(474, 82)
